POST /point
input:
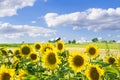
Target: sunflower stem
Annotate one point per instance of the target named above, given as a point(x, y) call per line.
point(69, 74)
point(40, 67)
point(107, 49)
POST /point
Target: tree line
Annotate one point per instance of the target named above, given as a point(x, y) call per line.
point(93, 40)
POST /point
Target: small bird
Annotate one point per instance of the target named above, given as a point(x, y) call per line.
point(58, 39)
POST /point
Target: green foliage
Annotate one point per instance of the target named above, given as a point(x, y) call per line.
point(69, 42)
point(74, 41)
point(104, 41)
point(95, 40)
point(112, 41)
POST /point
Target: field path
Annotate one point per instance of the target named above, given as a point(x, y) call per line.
point(102, 52)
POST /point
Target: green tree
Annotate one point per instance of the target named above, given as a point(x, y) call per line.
point(69, 41)
point(74, 41)
point(104, 41)
point(95, 40)
point(112, 41)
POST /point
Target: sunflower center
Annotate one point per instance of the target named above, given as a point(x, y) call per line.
point(25, 50)
point(92, 51)
point(51, 58)
point(78, 61)
point(4, 52)
point(33, 56)
point(37, 46)
point(94, 75)
point(60, 46)
point(111, 60)
point(6, 76)
point(17, 52)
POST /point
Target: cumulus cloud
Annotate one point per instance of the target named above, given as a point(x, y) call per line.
point(93, 18)
point(10, 7)
point(8, 30)
point(100, 38)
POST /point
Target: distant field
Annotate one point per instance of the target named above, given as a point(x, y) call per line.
point(112, 48)
point(100, 45)
point(78, 45)
point(11, 45)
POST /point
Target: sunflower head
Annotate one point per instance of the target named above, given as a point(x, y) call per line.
point(110, 60)
point(17, 53)
point(6, 74)
point(25, 50)
point(4, 52)
point(47, 46)
point(50, 59)
point(38, 46)
point(77, 61)
point(60, 46)
point(94, 72)
point(33, 56)
point(92, 50)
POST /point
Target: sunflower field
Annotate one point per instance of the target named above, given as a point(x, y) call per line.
point(52, 61)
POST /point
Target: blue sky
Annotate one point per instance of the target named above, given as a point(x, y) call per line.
point(43, 20)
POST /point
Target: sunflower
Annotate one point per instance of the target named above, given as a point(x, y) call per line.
point(60, 46)
point(47, 46)
point(6, 74)
point(25, 49)
point(17, 53)
point(94, 72)
point(38, 46)
point(110, 60)
point(21, 74)
point(50, 59)
point(77, 61)
point(4, 52)
point(92, 50)
point(33, 56)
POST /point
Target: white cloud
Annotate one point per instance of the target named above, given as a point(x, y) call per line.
point(118, 41)
point(82, 39)
point(100, 38)
point(33, 21)
point(10, 7)
point(93, 18)
point(8, 30)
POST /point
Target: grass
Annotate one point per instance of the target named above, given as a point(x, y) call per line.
point(8, 45)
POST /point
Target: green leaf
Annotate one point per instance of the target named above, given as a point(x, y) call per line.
point(111, 70)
